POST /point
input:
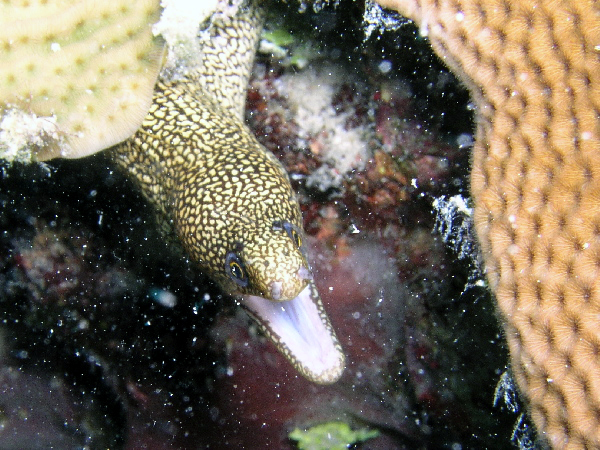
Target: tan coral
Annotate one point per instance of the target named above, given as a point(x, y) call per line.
point(88, 67)
point(533, 69)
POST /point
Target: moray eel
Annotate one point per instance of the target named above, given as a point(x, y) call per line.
point(228, 200)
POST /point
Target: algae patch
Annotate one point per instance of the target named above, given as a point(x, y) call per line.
point(331, 436)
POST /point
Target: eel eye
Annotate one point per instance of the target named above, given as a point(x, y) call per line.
point(291, 230)
point(235, 269)
point(296, 238)
point(293, 234)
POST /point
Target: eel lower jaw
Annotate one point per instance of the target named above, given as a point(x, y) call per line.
point(302, 332)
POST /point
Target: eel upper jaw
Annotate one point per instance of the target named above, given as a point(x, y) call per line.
point(303, 333)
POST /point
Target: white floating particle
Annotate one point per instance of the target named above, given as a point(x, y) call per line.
point(164, 298)
point(385, 66)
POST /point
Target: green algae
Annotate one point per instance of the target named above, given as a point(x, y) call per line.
point(331, 436)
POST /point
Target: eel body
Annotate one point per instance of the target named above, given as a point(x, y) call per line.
point(229, 200)
point(533, 70)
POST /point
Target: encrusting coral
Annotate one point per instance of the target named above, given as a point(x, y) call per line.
point(533, 70)
point(85, 69)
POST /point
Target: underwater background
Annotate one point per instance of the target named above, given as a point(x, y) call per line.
point(111, 340)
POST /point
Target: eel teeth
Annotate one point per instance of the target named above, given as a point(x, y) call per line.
point(301, 329)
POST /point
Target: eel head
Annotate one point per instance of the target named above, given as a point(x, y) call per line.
point(239, 219)
point(276, 288)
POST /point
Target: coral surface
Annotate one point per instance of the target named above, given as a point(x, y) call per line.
point(533, 71)
point(89, 69)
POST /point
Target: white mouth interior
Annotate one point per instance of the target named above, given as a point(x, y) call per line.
point(301, 327)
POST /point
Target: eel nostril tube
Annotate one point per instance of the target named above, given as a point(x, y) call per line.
point(276, 288)
point(304, 273)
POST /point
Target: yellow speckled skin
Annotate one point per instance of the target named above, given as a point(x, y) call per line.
point(223, 192)
point(219, 187)
point(533, 69)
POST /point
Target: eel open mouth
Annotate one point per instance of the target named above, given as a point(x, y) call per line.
point(301, 330)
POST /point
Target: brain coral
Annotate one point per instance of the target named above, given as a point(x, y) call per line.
point(88, 67)
point(533, 69)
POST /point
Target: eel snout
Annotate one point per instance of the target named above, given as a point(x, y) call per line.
point(301, 329)
point(281, 290)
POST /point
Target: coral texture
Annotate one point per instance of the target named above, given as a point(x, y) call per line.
point(533, 70)
point(88, 68)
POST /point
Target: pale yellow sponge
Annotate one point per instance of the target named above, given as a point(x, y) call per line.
point(88, 68)
point(533, 69)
